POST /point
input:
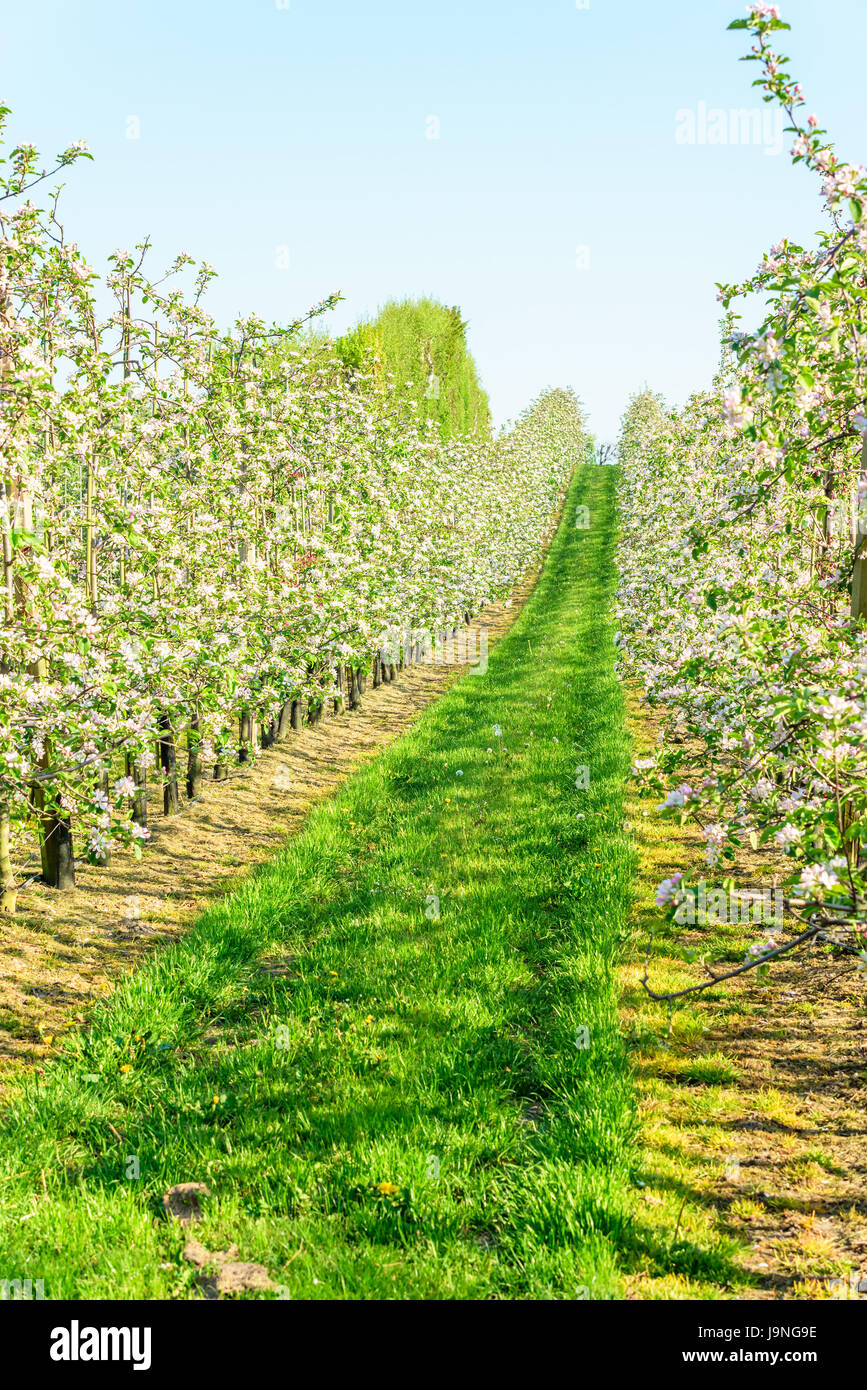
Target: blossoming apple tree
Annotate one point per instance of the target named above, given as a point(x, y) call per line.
point(743, 597)
point(205, 532)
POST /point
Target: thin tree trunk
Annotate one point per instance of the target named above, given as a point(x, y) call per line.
point(105, 786)
point(168, 763)
point(284, 723)
point(139, 775)
point(55, 837)
point(58, 860)
point(859, 569)
point(245, 728)
point(8, 889)
point(354, 692)
point(194, 760)
point(315, 708)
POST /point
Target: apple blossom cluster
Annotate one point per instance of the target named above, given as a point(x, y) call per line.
point(200, 526)
point(740, 606)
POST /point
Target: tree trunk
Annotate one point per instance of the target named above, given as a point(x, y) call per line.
point(859, 569)
point(284, 723)
point(55, 840)
point(245, 727)
point(168, 763)
point(297, 714)
point(315, 708)
point(8, 890)
point(194, 760)
point(859, 588)
point(139, 774)
point(58, 858)
point(354, 692)
point(105, 785)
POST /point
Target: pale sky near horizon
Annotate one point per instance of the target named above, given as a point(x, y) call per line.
point(556, 207)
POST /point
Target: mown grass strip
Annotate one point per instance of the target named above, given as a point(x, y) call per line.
point(393, 1055)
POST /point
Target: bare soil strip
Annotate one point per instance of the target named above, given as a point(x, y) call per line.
point(62, 951)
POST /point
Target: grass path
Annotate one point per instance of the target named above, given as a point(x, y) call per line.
point(373, 1052)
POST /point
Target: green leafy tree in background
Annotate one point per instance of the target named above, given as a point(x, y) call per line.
point(423, 346)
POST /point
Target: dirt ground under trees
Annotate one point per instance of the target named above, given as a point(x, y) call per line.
point(754, 1105)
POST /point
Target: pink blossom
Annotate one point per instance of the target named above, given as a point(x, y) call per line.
point(667, 889)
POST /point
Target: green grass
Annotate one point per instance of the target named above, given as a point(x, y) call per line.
point(383, 1102)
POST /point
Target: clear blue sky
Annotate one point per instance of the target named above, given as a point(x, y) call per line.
point(305, 126)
